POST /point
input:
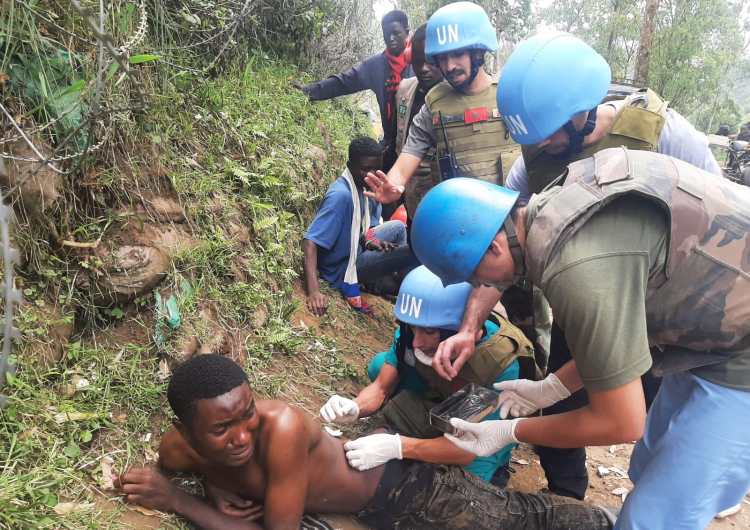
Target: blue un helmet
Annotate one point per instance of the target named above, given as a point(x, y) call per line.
point(548, 79)
point(455, 224)
point(423, 301)
point(459, 26)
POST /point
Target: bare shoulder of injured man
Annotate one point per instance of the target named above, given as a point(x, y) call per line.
point(267, 463)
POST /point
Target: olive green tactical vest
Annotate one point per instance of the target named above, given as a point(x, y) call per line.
point(476, 132)
point(699, 305)
point(491, 358)
point(637, 125)
point(427, 174)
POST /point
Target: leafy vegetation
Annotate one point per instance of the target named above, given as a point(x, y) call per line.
point(234, 150)
point(698, 59)
point(217, 129)
point(697, 55)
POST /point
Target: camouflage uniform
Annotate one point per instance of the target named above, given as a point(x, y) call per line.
point(408, 411)
point(427, 174)
point(637, 249)
point(698, 307)
point(501, 355)
point(415, 495)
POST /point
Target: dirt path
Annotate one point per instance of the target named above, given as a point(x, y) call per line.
point(356, 339)
point(529, 477)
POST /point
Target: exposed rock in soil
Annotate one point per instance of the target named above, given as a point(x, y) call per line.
point(170, 238)
point(166, 209)
point(317, 157)
point(260, 316)
point(163, 208)
point(131, 271)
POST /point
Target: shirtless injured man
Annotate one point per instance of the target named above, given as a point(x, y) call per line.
point(266, 463)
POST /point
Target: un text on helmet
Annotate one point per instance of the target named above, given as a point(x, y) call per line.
point(447, 34)
point(515, 124)
point(411, 305)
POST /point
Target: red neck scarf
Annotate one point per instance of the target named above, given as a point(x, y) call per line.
point(397, 64)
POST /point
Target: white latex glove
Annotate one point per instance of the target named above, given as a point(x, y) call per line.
point(522, 397)
point(339, 409)
point(373, 450)
point(485, 438)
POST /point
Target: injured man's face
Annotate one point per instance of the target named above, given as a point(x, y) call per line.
point(223, 429)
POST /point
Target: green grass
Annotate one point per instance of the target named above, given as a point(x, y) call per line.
point(47, 458)
point(241, 162)
point(231, 147)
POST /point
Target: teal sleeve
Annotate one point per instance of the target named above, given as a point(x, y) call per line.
point(513, 371)
point(390, 355)
point(384, 357)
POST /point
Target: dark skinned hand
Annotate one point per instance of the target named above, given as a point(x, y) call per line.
point(317, 303)
point(233, 505)
point(382, 246)
point(148, 488)
point(299, 86)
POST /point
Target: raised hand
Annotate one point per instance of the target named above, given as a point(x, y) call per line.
point(381, 189)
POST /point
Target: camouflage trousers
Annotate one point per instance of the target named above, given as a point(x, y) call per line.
point(415, 495)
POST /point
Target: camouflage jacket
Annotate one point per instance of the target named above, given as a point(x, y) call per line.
point(699, 304)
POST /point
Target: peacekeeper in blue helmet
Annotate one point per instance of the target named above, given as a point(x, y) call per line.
point(643, 259)
point(404, 387)
point(459, 117)
point(571, 122)
point(555, 127)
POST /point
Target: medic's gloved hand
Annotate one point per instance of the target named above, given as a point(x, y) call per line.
point(522, 397)
point(373, 451)
point(339, 409)
point(485, 438)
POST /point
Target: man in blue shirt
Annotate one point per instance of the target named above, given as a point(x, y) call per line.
point(349, 246)
point(405, 387)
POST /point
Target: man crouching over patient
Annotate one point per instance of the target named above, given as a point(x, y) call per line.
point(265, 463)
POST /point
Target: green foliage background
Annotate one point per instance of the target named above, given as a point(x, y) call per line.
point(207, 111)
point(700, 58)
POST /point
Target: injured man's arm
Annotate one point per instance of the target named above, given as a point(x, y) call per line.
point(268, 453)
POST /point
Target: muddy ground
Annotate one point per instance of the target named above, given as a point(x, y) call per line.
point(529, 477)
point(358, 339)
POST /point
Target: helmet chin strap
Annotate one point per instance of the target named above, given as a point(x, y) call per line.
point(519, 265)
point(516, 252)
point(477, 61)
point(576, 137)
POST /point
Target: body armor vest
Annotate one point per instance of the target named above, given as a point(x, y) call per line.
point(427, 174)
point(700, 302)
point(491, 358)
point(476, 133)
point(637, 125)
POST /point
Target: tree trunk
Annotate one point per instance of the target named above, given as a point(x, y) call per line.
point(611, 38)
point(644, 47)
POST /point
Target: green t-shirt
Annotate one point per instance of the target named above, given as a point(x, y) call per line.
point(597, 283)
point(596, 286)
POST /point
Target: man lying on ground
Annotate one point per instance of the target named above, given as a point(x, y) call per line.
point(270, 453)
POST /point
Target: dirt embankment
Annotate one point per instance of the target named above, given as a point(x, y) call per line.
point(355, 339)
